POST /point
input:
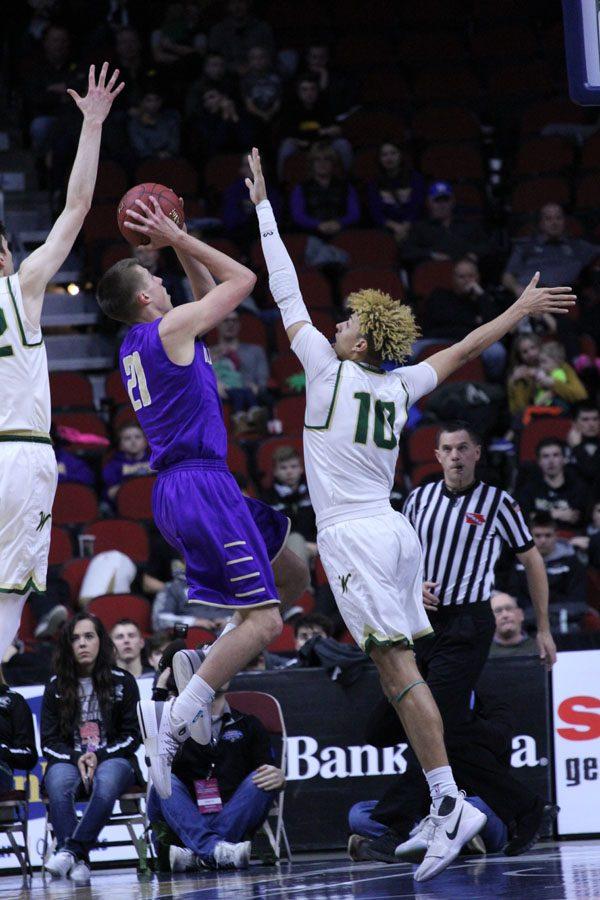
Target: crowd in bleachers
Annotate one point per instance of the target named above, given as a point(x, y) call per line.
point(418, 159)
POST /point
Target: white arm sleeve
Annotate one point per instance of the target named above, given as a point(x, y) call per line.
point(418, 380)
point(283, 280)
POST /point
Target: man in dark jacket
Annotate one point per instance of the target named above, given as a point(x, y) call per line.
point(17, 736)
point(221, 792)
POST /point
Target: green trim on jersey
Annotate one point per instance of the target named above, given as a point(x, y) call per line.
point(406, 401)
point(29, 585)
point(325, 427)
point(31, 439)
point(24, 340)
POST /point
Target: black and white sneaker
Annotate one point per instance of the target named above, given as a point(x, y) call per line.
point(455, 824)
point(162, 739)
point(185, 664)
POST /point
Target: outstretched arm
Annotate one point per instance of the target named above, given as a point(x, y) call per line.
point(180, 326)
point(37, 270)
point(534, 301)
point(283, 280)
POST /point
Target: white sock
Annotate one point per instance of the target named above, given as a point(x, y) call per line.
point(441, 784)
point(197, 693)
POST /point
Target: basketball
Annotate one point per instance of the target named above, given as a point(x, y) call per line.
point(169, 203)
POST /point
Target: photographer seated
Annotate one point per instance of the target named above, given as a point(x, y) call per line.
point(17, 737)
point(221, 793)
point(90, 734)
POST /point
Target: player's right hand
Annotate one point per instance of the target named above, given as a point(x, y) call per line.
point(256, 188)
point(162, 231)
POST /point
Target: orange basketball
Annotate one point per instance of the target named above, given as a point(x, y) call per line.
point(169, 203)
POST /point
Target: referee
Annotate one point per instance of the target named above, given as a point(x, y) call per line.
point(462, 524)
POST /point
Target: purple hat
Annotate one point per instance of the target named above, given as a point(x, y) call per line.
point(440, 189)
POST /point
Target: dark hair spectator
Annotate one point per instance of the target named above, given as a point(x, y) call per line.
point(261, 89)
point(311, 625)
point(584, 443)
point(17, 736)
point(153, 130)
point(397, 194)
point(553, 488)
point(324, 204)
point(237, 32)
point(129, 644)
point(289, 494)
point(130, 460)
point(333, 85)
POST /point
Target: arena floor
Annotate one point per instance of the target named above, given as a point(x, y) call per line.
point(552, 872)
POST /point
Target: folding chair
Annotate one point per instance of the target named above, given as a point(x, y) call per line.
point(268, 710)
point(14, 817)
point(131, 812)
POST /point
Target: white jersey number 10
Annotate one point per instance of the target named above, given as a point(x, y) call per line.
point(383, 425)
point(136, 378)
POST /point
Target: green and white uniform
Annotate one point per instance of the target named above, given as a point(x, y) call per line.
point(370, 553)
point(28, 472)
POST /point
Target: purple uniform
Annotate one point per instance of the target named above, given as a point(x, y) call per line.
point(226, 539)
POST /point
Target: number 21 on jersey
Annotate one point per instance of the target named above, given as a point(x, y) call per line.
point(383, 427)
point(136, 379)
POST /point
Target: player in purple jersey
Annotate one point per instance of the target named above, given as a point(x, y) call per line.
point(228, 541)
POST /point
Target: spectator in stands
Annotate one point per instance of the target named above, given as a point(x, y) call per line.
point(155, 646)
point(560, 259)
point(309, 626)
point(214, 75)
point(509, 638)
point(129, 647)
point(324, 204)
point(171, 606)
point(70, 467)
point(239, 218)
point(566, 576)
point(242, 372)
point(154, 132)
point(217, 127)
point(154, 262)
point(557, 383)
point(584, 442)
point(234, 35)
point(131, 460)
point(261, 89)
point(17, 736)
point(240, 761)
point(180, 41)
point(451, 314)
point(397, 194)
point(307, 119)
point(89, 735)
point(589, 543)
point(289, 494)
point(442, 235)
point(524, 363)
point(130, 59)
point(333, 86)
point(554, 489)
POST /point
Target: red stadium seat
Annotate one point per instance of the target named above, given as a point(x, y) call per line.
point(27, 625)
point(295, 168)
point(424, 473)
point(285, 642)
point(366, 163)
point(197, 637)
point(536, 431)
point(453, 162)
point(111, 181)
point(469, 199)
point(530, 195)
point(421, 444)
point(252, 330)
point(177, 174)
point(264, 456)
point(284, 366)
point(547, 112)
point(295, 245)
point(368, 247)
point(587, 195)
point(493, 43)
point(100, 224)
point(306, 601)
point(379, 279)
point(236, 458)
point(449, 122)
point(539, 156)
point(434, 84)
point(70, 389)
point(590, 154)
point(85, 422)
point(124, 415)
point(426, 352)
point(114, 254)
point(73, 572)
point(471, 371)
point(114, 389)
point(387, 83)
point(373, 127)
point(74, 504)
point(315, 288)
point(291, 412)
point(61, 548)
point(418, 49)
point(111, 607)
point(129, 537)
point(222, 171)
point(521, 81)
point(353, 50)
point(433, 274)
point(320, 577)
point(134, 498)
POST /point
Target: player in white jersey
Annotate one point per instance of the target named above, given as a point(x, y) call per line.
point(28, 472)
point(355, 412)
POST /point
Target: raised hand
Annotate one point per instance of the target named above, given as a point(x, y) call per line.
point(96, 104)
point(161, 230)
point(535, 301)
point(257, 188)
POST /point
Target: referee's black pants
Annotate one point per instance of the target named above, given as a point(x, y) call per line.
point(451, 662)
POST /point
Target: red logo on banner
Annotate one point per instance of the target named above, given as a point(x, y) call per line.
point(584, 718)
point(474, 519)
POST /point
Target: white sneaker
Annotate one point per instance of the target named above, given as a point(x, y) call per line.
point(415, 848)
point(181, 859)
point(162, 740)
point(232, 856)
point(80, 873)
point(185, 664)
point(60, 863)
point(450, 832)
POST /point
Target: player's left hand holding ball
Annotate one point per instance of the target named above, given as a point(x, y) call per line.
point(152, 222)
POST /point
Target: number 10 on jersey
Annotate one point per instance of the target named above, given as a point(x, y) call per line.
point(383, 427)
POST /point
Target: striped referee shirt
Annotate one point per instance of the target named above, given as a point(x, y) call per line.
point(461, 535)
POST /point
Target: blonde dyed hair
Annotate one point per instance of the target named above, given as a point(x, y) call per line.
point(388, 325)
